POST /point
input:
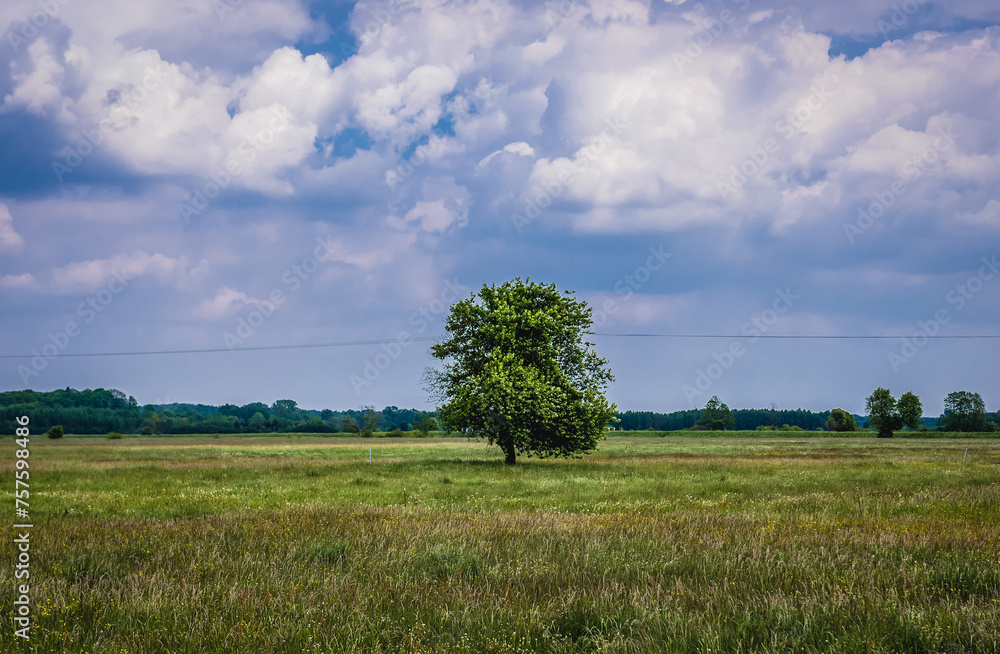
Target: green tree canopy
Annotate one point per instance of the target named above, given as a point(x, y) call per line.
point(883, 412)
point(716, 415)
point(425, 423)
point(369, 421)
point(257, 422)
point(911, 411)
point(519, 373)
point(349, 424)
point(841, 420)
point(964, 411)
point(287, 409)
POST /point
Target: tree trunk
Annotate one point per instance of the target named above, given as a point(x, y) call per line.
point(508, 448)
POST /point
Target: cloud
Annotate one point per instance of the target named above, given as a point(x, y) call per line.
point(988, 216)
point(88, 276)
point(22, 281)
point(10, 240)
point(184, 30)
point(261, 144)
point(444, 203)
point(226, 301)
point(39, 89)
point(518, 147)
point(617, 310)
point(691, 100)
point(388, 250)
point(746, 140)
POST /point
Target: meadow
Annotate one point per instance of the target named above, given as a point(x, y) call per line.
point(768, 543)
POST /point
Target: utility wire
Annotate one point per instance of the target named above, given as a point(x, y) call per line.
point(224, 349)
point(789, 336)
point(303, 346)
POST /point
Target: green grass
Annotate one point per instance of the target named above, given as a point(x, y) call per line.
point(775, 543)
point(644, 433)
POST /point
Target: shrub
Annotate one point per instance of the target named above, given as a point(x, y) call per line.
point(113, 435)
point(396, 433)
point(425, 424)
point(56, 432)
point(841, 420)
point(147, 431)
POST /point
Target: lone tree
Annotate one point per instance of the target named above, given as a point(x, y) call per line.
point(716, 415)
point(964, 411)
point(519, 374)
point(911, 411)
point(369, 421)
point(841, 420)
point(425, 424)
point(887, 415)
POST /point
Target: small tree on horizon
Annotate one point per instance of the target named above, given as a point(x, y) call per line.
point(425, 424)
point(964, 411)
point(887, 415)
point(348, 424)
point(55, 432)
point(369, 421)
point(841, 420)
point(911, 411)
point(716, 415)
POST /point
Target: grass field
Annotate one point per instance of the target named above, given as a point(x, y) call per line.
point(764, 544)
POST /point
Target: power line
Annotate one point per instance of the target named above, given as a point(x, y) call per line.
point(258, 348)
point(303, 346)
point(792, 336)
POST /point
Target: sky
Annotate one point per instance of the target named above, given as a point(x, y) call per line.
point(232, 174)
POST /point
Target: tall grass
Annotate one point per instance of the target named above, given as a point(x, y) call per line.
point(678, 546)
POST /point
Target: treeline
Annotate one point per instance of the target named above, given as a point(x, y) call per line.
point(745, 419)
point(97, 411)
point(101, 411)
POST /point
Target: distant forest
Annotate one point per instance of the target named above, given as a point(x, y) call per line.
point(100, 411)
